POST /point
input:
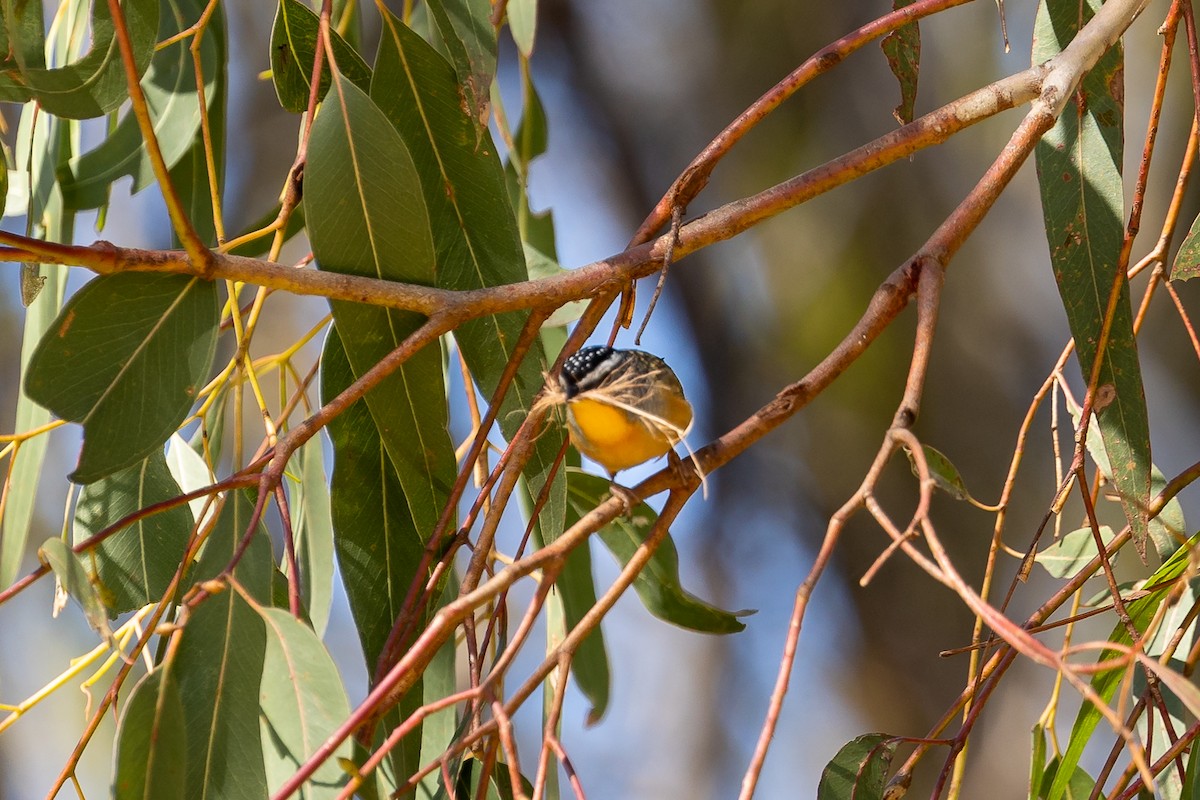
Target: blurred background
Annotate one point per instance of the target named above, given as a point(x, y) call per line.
point(632, 91)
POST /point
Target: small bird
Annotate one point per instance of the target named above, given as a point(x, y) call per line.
point(624, 407)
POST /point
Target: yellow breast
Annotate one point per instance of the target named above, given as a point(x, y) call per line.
point(617, 439)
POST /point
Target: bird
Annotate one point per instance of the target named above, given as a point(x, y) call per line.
point(624, 407)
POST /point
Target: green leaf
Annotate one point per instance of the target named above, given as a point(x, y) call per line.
point(26, 466)
point(170, 88)
point(219, 664)
point(466, 32)
point(95, 84)
point(72, 577)
point(191, 473)
point(125, 359)
point(22, 37)
point(522, 24)
point(1079, 170)
point(256, 565)
point(944, 473)
point(1105, 683)
point(540, 266)
point(151, 742)
point(1069, 554)
point(1078, 786)
point(1187, 260)
point(134, 566)
point(312, 527)
point(475, 238)
point(658, 584)
point(366, 217)
point(529, 142)
point(41, 141)
point(1037, 761)
point(378, 547)
point(220, 669)
point(859, 770)
point(303, 702)
point(1167, 529)
point(293, 47)
point(902, 47)
point(499, 781)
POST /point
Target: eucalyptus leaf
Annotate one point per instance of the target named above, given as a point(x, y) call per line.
point(135, 565)
point(1079, 171)
point(126, 358)
point(366, 216)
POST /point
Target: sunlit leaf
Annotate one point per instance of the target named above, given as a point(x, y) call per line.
point(1068, 555)
point(125, 358)
point(95, 84)
point(378, 547)
point(312, 528)
point(1105, 683)
point(522, 24)
point(366, 216)
point(303, 702)
point(1079, 171)
point(170, 88)
point(72, 576)
point(475, 238)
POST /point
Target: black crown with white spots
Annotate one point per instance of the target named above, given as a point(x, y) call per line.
point(586, 368)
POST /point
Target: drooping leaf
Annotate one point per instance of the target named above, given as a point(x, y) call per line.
point(1079, 170)
point(1168, 529)
point(542, 266)
point(312, 527)
point(42, 141)
point(219, 663)
point(26, 467)
point(529, 142)
point(859, 770)
point(125, 359)
point(902, 47)
point(170, 88)
point(1141, 611)
point(303, 702)
point(188, 470)
point(658, 584)
point(522, 24)
point(134, 566)
point(378, 547)
point(293, 47)
point(151, 749)
point(1037, 761)
point(94, 84)
point(1078, 786)
point(475, 238)
point(466, 32)
point(72, 577)
point(366, 216)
